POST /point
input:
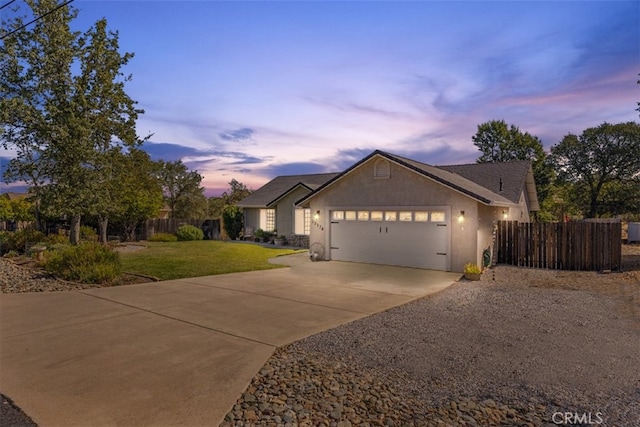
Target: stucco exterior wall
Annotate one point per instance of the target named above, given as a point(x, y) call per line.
point(516, 213)
point(488, 215)
point(251, 219)
point(404, 188)
point(285, 211)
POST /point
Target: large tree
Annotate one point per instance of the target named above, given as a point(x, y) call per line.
point(499, 142)
point(237, 191)
point(64, 110)
point(35, 82)
point(602, 166)
point(181, 188)
point(138, 195)
point(111, 115)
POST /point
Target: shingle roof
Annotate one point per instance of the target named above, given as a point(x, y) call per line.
point(451, 179)
point(506, 179)
point(281, 185)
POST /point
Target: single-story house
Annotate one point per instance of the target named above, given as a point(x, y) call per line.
point(387, 209)
point(272, 208)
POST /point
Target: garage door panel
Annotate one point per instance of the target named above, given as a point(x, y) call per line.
point(411, 243)
point(354, 241)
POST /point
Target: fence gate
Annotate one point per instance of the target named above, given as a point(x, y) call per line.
point(575, 245)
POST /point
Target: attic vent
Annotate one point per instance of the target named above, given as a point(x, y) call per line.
point(382, 169)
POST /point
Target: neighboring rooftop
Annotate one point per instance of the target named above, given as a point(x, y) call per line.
point(277, 187)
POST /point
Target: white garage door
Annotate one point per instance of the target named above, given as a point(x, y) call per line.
point(411, 238)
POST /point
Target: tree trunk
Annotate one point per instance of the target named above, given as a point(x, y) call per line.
point(131, 233)
point(74, 233)
point(103, 222)
point(39, 223)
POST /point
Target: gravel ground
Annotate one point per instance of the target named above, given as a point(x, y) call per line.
point(517, 348)
point(520, 347)
point(12, 416)
point(22, 274)
point(16, 278)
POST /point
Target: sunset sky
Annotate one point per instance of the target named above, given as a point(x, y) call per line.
point(254, 89)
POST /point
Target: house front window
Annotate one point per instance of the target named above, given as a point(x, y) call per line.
point(268, 219)
point(303, 221)
point(307, 221)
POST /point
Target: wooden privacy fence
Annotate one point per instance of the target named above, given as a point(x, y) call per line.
point(576, 245)
point(210, 227)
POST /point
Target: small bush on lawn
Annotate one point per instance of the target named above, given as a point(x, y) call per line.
point(89, 262)
point(189, 232)
point(163, 237)
point(17, 240)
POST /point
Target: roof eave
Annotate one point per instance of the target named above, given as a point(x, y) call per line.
point(275, 201)
point(500, 204)
point(532, 192)
point(251, 206)
point(455, 187)
point(313, 193)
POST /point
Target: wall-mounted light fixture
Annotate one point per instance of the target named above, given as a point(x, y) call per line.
point(505, 214)
point(461, 216)
point(316, 216)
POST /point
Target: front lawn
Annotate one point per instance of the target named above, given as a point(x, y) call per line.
point(177, 260)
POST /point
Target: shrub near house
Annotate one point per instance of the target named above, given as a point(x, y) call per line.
point(189, 232)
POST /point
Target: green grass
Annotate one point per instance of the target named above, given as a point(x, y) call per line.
point(177, 260)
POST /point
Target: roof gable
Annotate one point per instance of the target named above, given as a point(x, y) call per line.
point(447, 178)
point(280, 186)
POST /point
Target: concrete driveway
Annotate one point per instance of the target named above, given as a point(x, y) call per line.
point(179, 352)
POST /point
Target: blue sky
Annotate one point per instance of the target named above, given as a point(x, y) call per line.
point(254, 89)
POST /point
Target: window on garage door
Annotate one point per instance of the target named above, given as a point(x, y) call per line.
point(437, 216)
point(421, 216)
point(405, 216)
point(376, 216)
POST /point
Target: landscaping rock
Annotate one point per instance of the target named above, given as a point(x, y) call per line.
point(17, 279)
